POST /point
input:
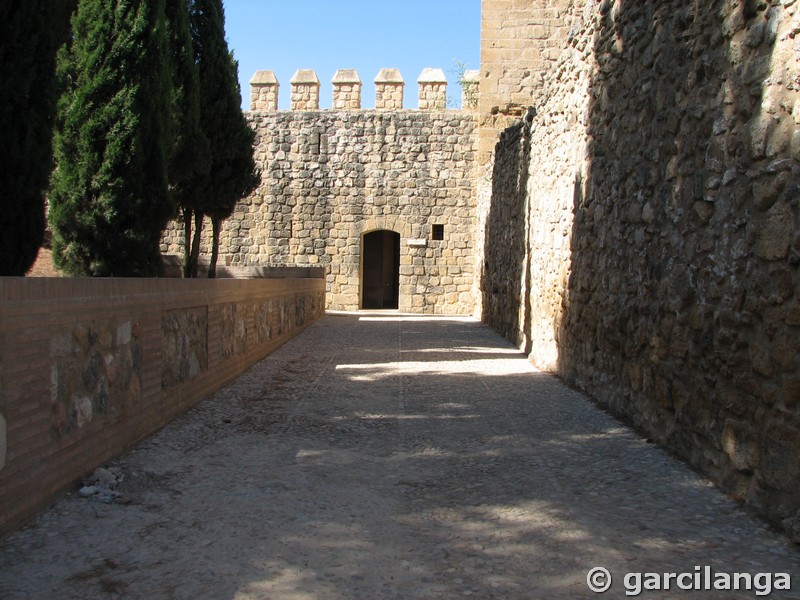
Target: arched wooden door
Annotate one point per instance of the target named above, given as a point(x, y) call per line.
point(380, 283)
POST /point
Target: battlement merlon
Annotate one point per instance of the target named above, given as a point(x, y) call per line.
point(432, 89)
point(347, 90)
point(264, 91)
point(389, 85)
point(305, 90)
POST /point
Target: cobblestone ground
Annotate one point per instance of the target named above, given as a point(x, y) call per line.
point(380, 456)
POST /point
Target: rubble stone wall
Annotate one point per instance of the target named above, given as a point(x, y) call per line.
point(654, 197)
point(329, 177)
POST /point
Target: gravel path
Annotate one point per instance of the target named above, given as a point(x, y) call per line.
point(386, 456)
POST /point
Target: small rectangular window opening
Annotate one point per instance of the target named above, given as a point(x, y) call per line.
point(437, 232)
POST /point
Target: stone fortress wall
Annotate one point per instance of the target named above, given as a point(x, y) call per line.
point(641, 230)
point(622, 202)
point(330, 177)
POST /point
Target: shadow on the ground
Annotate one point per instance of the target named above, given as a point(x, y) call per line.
point(469, 473)
point(400, 473)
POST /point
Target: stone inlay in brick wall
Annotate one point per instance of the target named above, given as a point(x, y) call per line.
point(234, 329)
point(3, 441)
point(95, 373)
point(185, 344)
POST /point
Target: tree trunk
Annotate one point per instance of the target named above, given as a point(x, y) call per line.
point(198, 231)
point(212, 267)
point(187, 240)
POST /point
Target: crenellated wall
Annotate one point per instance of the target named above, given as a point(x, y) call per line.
point(642, 233)
point(347, 88)
point(330, 177)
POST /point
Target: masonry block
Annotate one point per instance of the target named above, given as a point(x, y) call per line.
point(264, 91)
point(305, 90)
point(346, 90)
point(432, 89)
point(389, 86)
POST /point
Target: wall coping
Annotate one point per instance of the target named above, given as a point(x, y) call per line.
point(432, 75)
point(389, 76)
point(304, 76)
point(173, 269)
point(264, 78)
point(346, 76)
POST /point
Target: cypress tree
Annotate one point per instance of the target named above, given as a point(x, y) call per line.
point(233, 172)
point(190, 154)
point(30, 33)
point(109, 198)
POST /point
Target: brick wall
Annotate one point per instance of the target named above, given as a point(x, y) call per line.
point(90, 366)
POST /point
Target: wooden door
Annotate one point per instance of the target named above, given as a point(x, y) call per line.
point(381, 270)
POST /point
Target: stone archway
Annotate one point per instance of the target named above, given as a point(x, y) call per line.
point(380, 270)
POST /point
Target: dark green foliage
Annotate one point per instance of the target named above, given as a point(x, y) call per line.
point(109, 198)
point(233, 173)
point(30, 33)
point(191, 153)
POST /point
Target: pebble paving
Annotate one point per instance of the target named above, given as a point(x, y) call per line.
point(380, 455)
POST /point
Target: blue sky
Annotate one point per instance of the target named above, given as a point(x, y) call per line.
point(326, 35)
